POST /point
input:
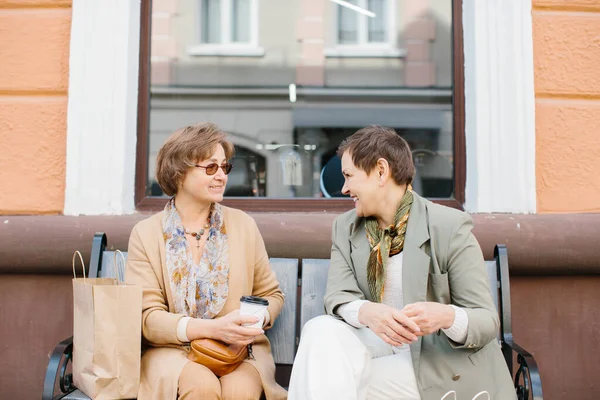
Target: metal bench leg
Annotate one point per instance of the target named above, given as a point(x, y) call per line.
point(59, 361)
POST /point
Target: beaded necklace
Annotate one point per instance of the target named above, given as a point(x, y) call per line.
point(198, 235)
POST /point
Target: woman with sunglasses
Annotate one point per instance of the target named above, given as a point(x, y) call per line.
point(195, 259)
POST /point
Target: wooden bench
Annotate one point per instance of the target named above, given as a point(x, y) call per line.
point(303, 282)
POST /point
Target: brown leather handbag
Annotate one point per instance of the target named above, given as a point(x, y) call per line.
point(221, 358)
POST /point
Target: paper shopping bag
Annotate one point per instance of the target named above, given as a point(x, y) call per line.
point(106, 336)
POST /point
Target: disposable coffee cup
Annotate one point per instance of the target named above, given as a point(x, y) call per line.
point(256, 306)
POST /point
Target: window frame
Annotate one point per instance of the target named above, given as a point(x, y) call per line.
point(266, 204)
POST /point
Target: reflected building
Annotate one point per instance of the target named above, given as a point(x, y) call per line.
point(289, 80)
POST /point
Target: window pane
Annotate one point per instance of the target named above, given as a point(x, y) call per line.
point(240, 10)
point(211, 21)
point(377, 26)
point(347, 24)
point(286, 145)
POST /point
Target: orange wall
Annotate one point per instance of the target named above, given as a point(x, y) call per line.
point(34, 75)
point(566, 45)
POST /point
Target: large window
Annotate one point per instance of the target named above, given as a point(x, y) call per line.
point(289, 80)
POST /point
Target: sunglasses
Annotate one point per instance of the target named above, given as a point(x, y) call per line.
point(212, 168)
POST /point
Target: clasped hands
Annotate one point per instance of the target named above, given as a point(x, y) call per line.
point(397, 327)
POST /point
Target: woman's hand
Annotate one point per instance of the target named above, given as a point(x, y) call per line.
point(230, 329)
point(430, 316)
point(389, 323)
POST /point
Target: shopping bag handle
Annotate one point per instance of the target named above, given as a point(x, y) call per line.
point(448, 394)
point(77, 253)
point(117, 269)
point(452, 392)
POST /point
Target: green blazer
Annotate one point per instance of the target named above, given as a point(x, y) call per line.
point(442, 262)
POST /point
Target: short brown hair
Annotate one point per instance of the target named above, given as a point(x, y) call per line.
point(373, 142)
point(183, 149)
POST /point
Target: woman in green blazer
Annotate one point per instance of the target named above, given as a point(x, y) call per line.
point(410, 312)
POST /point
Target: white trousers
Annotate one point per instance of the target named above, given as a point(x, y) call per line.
point(337, 361)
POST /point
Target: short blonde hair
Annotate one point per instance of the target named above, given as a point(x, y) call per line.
point(185, 148)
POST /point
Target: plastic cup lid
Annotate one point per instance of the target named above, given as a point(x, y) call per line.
point(254, 300)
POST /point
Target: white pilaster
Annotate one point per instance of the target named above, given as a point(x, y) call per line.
point(102, 109)
point(500, 106)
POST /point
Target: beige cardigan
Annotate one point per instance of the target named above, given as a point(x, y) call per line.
point(249, 274)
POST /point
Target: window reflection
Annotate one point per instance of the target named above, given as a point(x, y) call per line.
point(211, 21)
point(240, 12)
point(377, 26)
point(247, 178)
point(231, 62)
point(347, 25)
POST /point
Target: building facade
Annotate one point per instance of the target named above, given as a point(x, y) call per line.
point(499, 100)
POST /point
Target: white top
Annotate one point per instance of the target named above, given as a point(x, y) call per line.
point(393, 296)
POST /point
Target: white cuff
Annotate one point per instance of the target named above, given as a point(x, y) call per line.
point(460, 328)
point(267, 318)
point(349, 312)
point(182, 329)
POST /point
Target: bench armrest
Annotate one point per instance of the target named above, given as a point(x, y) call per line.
point(59, 360)
point(528, 371)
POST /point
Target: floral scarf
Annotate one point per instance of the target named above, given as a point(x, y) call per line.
point(199, 291)
point(385, 243)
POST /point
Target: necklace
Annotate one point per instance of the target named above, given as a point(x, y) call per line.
point(198, 235)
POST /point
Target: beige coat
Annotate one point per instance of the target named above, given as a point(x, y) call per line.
point(442, 262)
point(249, 274)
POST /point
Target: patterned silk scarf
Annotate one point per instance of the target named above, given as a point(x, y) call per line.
point(385, 243)
point(199, 291)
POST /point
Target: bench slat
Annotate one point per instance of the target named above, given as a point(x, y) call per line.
point(493, 280)
point(108, 264)
point(314, 281)
point(283, 333)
